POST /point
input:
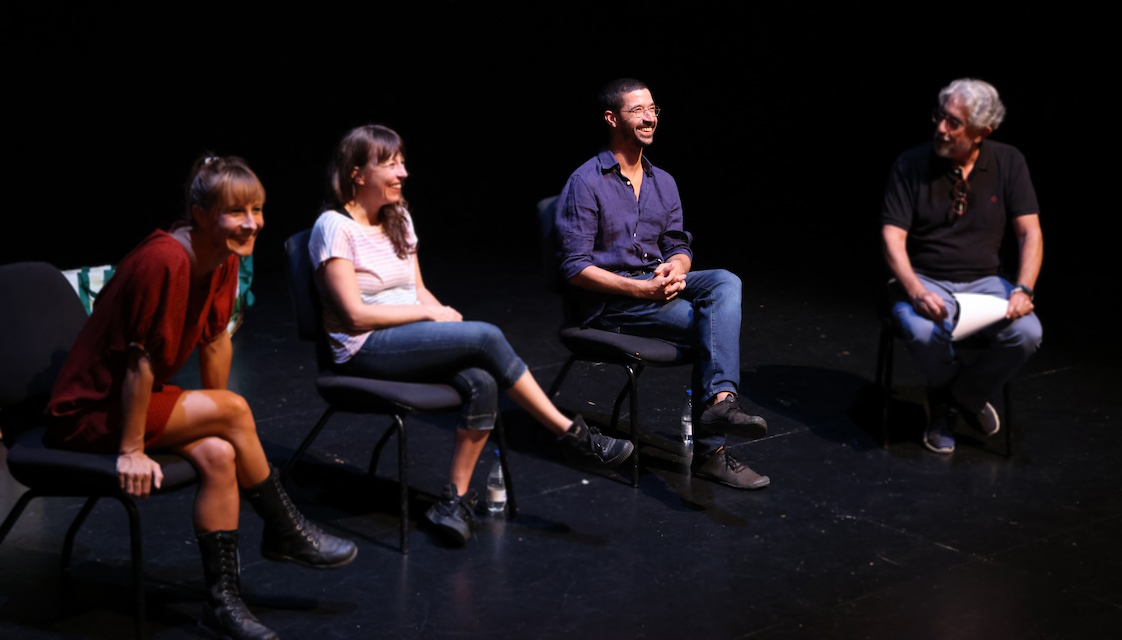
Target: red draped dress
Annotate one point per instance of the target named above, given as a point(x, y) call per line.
point(150, 302)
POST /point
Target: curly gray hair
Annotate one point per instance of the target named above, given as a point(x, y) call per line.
point(981, 100)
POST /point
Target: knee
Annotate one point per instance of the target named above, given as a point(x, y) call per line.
point(480, 383)
point(235, 411)
point(728, 282)
point(489, 335)
point(1026, 334)
point(213, 456)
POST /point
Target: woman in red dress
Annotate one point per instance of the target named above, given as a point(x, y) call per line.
point(171, 294)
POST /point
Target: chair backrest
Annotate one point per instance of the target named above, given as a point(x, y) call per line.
point(305, 298)
point(547, 237)
point(40, 317)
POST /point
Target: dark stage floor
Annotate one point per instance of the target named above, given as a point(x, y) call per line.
point(849, 541)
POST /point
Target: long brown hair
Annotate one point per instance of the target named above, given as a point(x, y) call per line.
point(361, 145)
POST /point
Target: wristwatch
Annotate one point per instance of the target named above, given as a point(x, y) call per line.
point(1024, 288)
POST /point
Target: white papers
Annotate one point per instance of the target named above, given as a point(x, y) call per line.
point(976, 311)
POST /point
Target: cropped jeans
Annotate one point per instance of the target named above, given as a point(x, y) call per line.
point(472, 357)
point(705, 316)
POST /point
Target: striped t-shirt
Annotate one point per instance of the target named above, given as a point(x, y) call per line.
point(383, 278)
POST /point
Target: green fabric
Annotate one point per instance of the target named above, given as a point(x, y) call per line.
point(88, 282)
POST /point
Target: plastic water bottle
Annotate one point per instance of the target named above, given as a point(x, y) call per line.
point(496, 488)
point(687, 419)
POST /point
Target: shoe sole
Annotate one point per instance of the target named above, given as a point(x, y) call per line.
point(932, 447)
point(766, 482)
point(449, 535)
point(753, 430)
point(218, 634)
point(280, 557)
point(976, 424)
point(996, 421)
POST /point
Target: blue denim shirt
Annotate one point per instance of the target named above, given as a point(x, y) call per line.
point(600, 223)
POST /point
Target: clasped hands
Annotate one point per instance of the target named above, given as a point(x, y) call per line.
point(929, 305)
point(668, 280)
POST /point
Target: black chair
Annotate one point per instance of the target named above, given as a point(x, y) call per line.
point(41, 319)
point(354, 394)
point(633, 353)
point(886, 354)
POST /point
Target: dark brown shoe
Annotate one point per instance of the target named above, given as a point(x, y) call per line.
point(727, 416)
point(726, 469)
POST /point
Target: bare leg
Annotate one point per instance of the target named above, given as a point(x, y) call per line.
point(469, 445)
point(528, 395)
point(217, 502)
point(218, 414)
point(216, 430)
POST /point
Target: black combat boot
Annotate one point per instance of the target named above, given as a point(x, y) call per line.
point(289, 536)
point(224, 613)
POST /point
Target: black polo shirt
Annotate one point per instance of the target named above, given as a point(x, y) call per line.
point(919, 197)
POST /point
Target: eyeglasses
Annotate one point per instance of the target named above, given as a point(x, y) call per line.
point(640, 111)
point(953, 123)
point(959, 193)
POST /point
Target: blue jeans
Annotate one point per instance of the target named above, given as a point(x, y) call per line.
point(1011, 343)
point(705, 316)
point(473, 357)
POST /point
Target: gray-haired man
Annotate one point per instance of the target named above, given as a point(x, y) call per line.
point(945, 210)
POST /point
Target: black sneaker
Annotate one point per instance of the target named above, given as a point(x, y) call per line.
point(728, 416)
point(594, 448)
point(453, 516)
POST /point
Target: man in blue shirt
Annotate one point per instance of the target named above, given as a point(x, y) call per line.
point(623, 248)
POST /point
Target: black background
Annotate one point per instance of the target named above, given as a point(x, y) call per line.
point(779, 124)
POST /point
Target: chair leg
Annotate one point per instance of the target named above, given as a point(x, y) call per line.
point(633, 378)
point(403, 479)
point(885, 356)
point(511, 502)
point(376, 454)
point(307, 442)
point(614, 424)
point(72, 532)
point(1007, 398)
point(556, 387)
point(14, 514)
point(633, 373)
point(137, 563)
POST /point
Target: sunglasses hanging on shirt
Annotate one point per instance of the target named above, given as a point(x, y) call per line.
point(959, 193)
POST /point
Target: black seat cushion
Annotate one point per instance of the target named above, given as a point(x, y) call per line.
point(366, 395)
point(620, 347)
point(72, 473)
